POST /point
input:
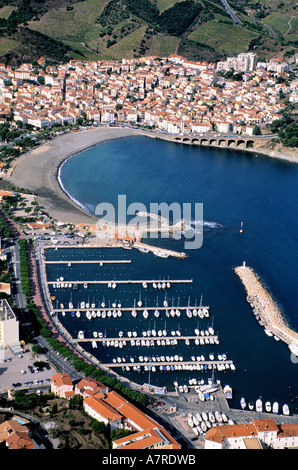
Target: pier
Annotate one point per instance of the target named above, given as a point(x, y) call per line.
point(265, 308)
point(100, 262)
point(184, 364)
point(146, 338)
point(138, 244)
point(92, 311)
point(129, 281)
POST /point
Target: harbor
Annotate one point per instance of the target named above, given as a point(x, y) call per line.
point(134, 325)
point(265, 308)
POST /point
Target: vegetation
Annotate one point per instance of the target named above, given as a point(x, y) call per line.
point(107, 29)
point(287, 130)
point(25, 268)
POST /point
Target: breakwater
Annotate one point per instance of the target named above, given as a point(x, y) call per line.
point(265, 308)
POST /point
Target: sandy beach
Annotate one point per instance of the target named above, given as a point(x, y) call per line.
point(38, 170)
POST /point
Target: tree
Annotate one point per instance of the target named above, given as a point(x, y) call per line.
point(98, 426)
point(41, 79)
point(76, 402)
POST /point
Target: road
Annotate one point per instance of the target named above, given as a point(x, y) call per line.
point(230, 12)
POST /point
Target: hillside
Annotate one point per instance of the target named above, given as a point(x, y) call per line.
point(112, 29)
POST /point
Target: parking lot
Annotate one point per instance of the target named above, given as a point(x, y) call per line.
point(18, 372)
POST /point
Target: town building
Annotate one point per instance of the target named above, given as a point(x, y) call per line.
point(62, 386)
point(259, 434)
point(16, 435)
point(114, 411)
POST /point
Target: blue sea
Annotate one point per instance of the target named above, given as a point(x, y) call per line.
point(233, 187)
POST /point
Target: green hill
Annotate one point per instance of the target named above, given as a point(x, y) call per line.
point(112, 29)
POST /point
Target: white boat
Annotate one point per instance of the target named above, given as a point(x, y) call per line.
point(268, 333)
point(293, 348)
point(160, 254)
point(275, 407)
point(127, 246)
point(259, 405)
point(204, 416)
point(218, 416)
point(203, 426)
point(94, 344)
point(242, 403)
point(95, 334)
point(285, 410)
point(228, 392)
point(145, 314)
point(81, 334)
point(211, 417)
point(142, 249)
point(250, 405)
point(268, 406)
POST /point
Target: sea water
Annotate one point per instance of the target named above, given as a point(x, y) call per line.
point(233, 186)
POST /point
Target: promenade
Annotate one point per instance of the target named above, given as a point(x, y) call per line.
point(265, 307)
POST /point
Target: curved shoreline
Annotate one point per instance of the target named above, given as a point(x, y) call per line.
point(38, 170)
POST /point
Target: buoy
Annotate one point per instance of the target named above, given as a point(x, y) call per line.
point(241, 228)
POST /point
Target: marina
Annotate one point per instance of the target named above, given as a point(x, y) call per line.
point(118, 332)
point(264, 366)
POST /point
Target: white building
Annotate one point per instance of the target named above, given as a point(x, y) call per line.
point(9, 328)
point(245, 62)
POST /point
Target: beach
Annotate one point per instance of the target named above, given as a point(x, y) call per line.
point(38, 170)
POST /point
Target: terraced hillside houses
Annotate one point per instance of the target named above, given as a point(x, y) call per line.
point(170, 94)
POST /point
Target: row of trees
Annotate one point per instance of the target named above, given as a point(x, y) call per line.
point(4, 228)
point(25, 268)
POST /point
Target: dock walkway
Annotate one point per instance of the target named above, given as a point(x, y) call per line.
point(128, 281)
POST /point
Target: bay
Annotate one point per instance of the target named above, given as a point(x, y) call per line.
point(233, 187)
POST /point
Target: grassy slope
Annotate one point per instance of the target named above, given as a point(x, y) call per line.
point(222, 37)
point(78, 29)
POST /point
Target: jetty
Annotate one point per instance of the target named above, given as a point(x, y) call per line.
point(265, 308)
point(138, 244)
